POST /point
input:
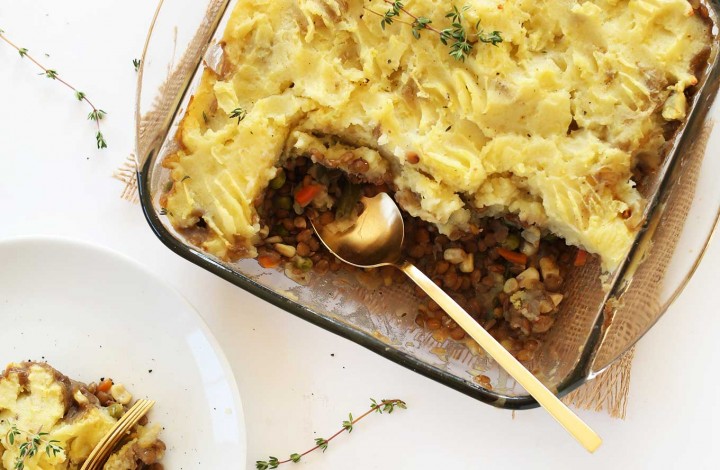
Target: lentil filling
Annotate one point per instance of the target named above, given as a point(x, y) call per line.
point(508, 277)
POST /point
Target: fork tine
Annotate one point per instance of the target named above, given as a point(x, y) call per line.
point(90, 463)
point(106, 445)
point(138, 411)
point(117, 431)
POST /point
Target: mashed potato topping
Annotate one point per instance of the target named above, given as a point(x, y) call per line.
point(547, 126)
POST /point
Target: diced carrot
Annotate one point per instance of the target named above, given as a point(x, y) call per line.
point(307, 193)
point(581, 258)
point(105, 385)
point(513, 256)
point(268, 261)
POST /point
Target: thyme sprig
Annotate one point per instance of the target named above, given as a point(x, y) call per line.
point(31, 445)
point(418, 24)
point(384, 406)
point(239, 113)
point(456, 34)
point(95, 115)
point(461, 43)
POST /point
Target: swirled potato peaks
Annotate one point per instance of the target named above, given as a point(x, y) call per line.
point(544, 127)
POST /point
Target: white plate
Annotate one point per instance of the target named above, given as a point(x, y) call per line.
point(92, 313)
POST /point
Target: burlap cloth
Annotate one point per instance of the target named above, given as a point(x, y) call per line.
point(641, 305)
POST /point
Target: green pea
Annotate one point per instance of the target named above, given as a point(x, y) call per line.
point(512, 242)
point(304, 264)
point(281, 230)
point(116, 410)
point(279, 180)
point(283, 202)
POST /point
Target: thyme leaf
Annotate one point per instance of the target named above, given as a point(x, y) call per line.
point(239, 113)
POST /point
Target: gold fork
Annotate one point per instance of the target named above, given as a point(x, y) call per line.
point(102, 450)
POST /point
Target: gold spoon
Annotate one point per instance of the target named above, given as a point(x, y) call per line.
point(376, 240)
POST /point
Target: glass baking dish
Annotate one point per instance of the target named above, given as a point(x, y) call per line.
point(593, 329)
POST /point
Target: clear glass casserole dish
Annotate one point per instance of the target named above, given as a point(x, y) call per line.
point(593, 329)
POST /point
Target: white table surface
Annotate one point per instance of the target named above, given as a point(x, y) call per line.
point(54, 182)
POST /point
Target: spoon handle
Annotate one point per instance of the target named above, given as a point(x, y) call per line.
point(569, 420)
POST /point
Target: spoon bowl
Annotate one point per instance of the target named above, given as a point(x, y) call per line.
point(374, 240)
